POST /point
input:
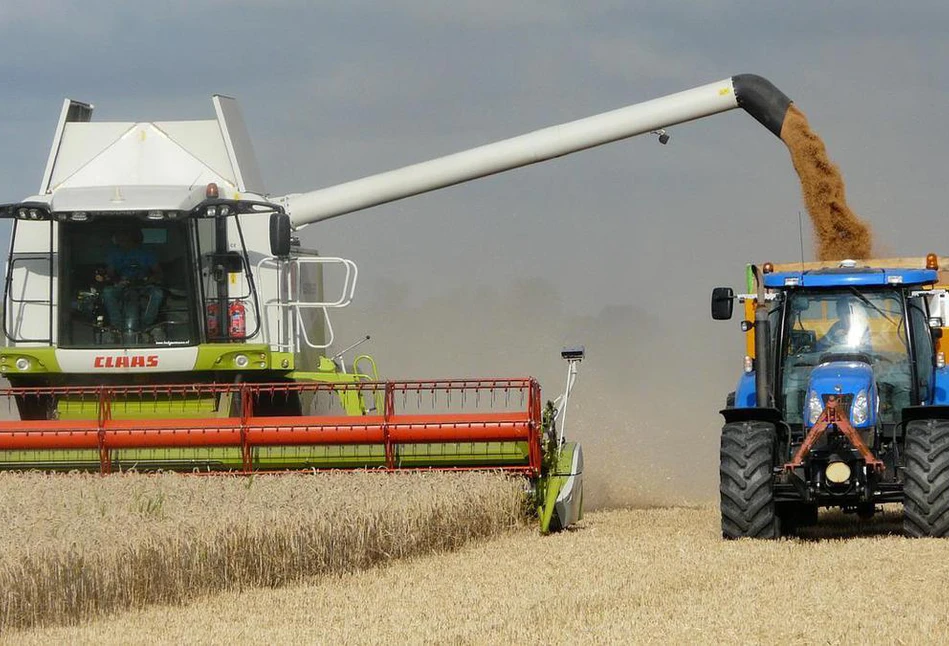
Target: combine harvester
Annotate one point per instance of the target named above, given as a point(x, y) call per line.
point(159, 314)
point(844, 399)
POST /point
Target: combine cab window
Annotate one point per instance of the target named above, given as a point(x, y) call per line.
point(126, 283)
point(866, 325)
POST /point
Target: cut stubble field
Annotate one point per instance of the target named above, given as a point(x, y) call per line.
point(623, 576)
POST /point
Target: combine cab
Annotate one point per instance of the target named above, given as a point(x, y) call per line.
point(844, 400)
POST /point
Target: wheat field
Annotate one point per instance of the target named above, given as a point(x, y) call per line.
point(77, 546)
point(364, 558)
point(624, 576)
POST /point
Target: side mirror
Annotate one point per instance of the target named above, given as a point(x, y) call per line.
point(723, 300)
point(280, 235)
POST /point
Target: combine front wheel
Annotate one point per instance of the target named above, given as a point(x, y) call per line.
point(747, 492)
point(926, 478)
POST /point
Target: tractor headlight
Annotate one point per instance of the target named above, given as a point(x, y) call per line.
point(814, 408)
point(241, 361)
point(22, 363)
point(861, 408)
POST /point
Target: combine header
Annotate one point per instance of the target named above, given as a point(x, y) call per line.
point(159, 314)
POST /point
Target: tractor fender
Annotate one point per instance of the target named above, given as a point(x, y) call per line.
point(913, 413)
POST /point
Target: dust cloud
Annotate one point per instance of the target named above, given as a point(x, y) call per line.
point(645, 407)
point(839, 232)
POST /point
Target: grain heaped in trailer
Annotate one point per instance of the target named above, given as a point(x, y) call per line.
point(158, 312)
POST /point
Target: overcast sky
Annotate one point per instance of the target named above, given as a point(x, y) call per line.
point(335, 91)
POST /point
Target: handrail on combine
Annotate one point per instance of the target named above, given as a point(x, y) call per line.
point(295, 332)
point(520, 421)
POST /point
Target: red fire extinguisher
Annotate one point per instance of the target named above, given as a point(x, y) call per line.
point(212, 320)
point(237, 320)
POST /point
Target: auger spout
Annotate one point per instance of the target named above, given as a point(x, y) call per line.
point(753, 93)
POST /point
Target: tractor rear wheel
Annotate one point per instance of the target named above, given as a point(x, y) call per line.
point(926, 478)
point(746, 485)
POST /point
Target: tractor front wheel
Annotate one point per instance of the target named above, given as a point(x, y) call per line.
point(926, 478)
point(746, 486)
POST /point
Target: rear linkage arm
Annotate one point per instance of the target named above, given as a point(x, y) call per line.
point(831, 415)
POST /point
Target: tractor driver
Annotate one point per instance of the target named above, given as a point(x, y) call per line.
point(851, 331)
point(133, 274)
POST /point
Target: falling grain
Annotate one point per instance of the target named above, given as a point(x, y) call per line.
point(840, 233)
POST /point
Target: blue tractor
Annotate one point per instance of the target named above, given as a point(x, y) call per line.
point(843, 403)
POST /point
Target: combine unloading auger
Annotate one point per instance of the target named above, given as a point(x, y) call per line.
point(209, 355)
point(756, 95)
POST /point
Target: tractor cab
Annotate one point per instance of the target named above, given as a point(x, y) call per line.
point(864, 331)
point(881, 339)
point(843, 361)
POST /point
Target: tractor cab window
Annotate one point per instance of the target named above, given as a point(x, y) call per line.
point(867, 325)
point(923, 344)
point(125, 282)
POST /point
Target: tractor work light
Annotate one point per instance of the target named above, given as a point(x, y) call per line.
point(792, 281)
point(79, 216)
point(156, 215)
point(860, 411)
point(814, 408)
point(838, 472)
point(940, 359)
point(749, 364)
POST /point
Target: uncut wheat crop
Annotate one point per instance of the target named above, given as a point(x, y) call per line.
point(76, 546)
point(644, 576)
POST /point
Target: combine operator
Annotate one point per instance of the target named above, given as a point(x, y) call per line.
point(134, 276)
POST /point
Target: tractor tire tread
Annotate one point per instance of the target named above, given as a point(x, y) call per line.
point(746, 487)
point(926, 479)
